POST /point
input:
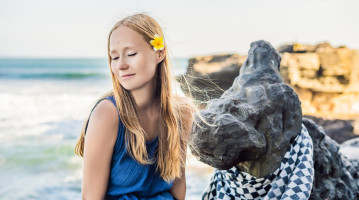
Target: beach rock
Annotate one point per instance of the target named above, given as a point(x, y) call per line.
point(254, 122)
point(337, 129)
point(325, 78)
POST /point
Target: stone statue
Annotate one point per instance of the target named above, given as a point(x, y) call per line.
point(256, 120)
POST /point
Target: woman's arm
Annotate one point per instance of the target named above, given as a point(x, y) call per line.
point(100, 139)
point(178, 189)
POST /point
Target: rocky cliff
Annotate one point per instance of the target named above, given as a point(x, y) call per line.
point(325, 78)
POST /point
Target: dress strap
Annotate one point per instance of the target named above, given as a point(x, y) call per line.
point(92, 110)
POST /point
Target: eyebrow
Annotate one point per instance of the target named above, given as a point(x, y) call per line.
point(128, 47)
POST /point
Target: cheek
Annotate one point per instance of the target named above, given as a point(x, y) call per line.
point(150, 66)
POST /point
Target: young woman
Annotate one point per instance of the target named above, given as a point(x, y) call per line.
point(135, 138)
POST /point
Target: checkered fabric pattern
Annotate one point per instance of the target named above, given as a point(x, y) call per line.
point(292, 180)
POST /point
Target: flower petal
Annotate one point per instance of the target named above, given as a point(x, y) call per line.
point(157, 42)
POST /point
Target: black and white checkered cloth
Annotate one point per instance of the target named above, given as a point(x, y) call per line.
point(292, 180)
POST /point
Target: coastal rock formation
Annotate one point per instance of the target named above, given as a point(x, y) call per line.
point(337, 129)
point(254, 122)
point(325, 78)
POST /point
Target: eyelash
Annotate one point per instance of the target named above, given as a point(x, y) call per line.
point(128, 55)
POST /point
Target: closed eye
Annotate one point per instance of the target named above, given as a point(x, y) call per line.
point(128, 55)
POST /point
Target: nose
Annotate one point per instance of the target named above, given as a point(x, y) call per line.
point(122, 64)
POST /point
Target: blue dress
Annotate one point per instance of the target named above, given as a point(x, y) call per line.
point(130, 180)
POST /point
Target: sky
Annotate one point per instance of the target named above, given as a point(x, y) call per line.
point(79, 28)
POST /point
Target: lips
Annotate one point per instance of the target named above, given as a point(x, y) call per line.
point(127, 75)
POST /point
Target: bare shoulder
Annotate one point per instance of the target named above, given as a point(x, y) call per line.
point(104, 118)
point(99, 143)
point(106, 109)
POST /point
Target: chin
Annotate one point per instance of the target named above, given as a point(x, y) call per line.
point(129, 88)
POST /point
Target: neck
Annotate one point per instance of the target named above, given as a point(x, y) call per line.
point(146, 101)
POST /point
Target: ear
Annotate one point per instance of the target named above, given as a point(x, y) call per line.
point(160, 55)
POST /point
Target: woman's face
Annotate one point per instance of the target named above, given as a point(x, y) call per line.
point(133, 60)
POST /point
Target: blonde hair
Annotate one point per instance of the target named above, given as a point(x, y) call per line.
point(173, 110)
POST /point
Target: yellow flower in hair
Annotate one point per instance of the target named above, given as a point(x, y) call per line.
point(157, 42)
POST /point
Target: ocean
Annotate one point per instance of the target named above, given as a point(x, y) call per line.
point(43, 106)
